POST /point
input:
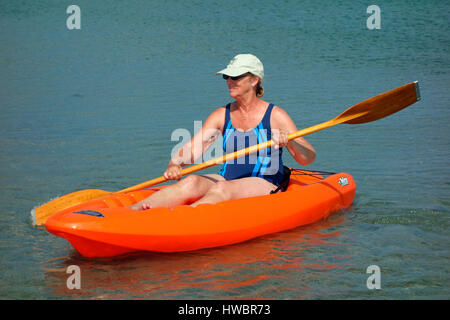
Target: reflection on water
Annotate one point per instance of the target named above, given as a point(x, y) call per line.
point(271, 267)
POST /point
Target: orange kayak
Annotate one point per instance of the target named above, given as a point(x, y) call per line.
point(106, 227)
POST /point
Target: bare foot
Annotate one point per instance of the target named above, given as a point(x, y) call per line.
point(145, 206)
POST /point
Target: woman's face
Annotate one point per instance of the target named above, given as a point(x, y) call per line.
point(242, 86)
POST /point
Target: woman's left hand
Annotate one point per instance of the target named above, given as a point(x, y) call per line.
point(280, 138)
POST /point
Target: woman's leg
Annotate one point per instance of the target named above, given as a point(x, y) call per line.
point(236, 189)
point(191, 188)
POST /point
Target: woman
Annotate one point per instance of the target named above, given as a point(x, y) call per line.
point(247, 119)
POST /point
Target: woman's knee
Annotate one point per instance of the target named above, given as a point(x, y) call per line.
point(189, 182)
point(193, 186)
point(222, 189)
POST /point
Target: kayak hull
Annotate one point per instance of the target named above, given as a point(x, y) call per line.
point(105, 227)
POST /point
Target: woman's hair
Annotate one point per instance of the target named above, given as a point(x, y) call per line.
point(259, 89)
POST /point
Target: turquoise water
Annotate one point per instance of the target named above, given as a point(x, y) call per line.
point(96, 107)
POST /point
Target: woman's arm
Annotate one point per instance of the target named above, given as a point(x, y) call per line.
point(194, 149)
point(282, 125)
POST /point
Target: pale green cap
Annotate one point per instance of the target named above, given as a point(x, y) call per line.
point(243, 63)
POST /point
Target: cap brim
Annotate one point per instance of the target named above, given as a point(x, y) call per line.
point(233, 72)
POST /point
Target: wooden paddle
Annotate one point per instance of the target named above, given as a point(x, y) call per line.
point(369, 110)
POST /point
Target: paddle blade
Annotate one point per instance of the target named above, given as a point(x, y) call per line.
point(382, 105)
point(42, 213)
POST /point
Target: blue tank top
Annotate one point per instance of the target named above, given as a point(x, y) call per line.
point(265, 163)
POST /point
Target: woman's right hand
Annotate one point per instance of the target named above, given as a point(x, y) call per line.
point(173, 172)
